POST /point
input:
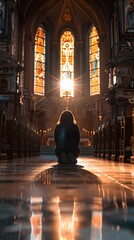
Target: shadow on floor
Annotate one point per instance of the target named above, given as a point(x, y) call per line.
point(70, 174)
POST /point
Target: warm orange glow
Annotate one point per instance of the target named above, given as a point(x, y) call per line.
point(67, 64)
point(66, 87)
point(36, 226)
point(66, 221)
point(39, 64)
point(97, 219)
point(36, 218)
point(94, 62)
point(65, 227)
point(96, 222)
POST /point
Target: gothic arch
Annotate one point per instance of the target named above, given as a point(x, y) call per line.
point(91, 11)
point(47, 15)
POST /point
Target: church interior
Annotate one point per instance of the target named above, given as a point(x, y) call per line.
point(75, 55)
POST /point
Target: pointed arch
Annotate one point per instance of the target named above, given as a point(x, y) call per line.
point(39, 62)
point(67, 64)
point(94, 61)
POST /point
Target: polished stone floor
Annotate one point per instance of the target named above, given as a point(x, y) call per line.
point(41, 200)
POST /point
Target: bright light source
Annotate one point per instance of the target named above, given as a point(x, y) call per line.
point(66, 86)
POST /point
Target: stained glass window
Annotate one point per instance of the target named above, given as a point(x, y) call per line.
point(67, 64)
point(39, 62)
point(94, 62)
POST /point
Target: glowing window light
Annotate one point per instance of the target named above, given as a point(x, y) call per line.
point(66, 225)
point(67, 87)
point(94, 62)
point(97, 220)
point(39, 62)
point(36, 218)
point(67, 64)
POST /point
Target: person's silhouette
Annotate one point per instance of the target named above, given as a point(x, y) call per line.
point(67, 138)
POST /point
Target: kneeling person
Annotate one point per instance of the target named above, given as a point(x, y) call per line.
point(67, 138)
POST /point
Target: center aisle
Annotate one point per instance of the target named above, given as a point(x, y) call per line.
point(41, 199)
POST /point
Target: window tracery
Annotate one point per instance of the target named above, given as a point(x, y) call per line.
point(67, 64)
point(94, 62)
point(39, 62)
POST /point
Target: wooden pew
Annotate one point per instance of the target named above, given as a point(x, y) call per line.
point(26, 137)
point(95, 143)
point(38, 141)
point(124, 142)
point(115, 139)
point(132, 139)
point(20, 140)
point(11, 134)
point(103, 141)
point(99, 142)
point(31, 142)
point(108, 140)
point(3, 154)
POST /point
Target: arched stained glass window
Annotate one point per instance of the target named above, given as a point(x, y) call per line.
point(39, 62)
point(67, 64)
point(94, 62)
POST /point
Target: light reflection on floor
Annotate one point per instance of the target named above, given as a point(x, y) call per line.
point(45, 201)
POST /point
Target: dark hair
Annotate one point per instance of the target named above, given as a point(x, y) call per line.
point(66, 117)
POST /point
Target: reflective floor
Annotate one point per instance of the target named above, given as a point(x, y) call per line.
point(41, 200)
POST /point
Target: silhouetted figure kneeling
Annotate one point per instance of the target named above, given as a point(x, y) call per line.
point(67, 138)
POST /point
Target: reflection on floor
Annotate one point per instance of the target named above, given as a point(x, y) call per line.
point(41, 200)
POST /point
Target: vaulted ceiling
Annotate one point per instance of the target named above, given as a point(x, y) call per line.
point(65, 12)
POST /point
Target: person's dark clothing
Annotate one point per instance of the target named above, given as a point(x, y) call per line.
point(67, 136)
point(67, 139)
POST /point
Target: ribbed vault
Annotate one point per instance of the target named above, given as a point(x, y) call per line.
point(52, 11)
